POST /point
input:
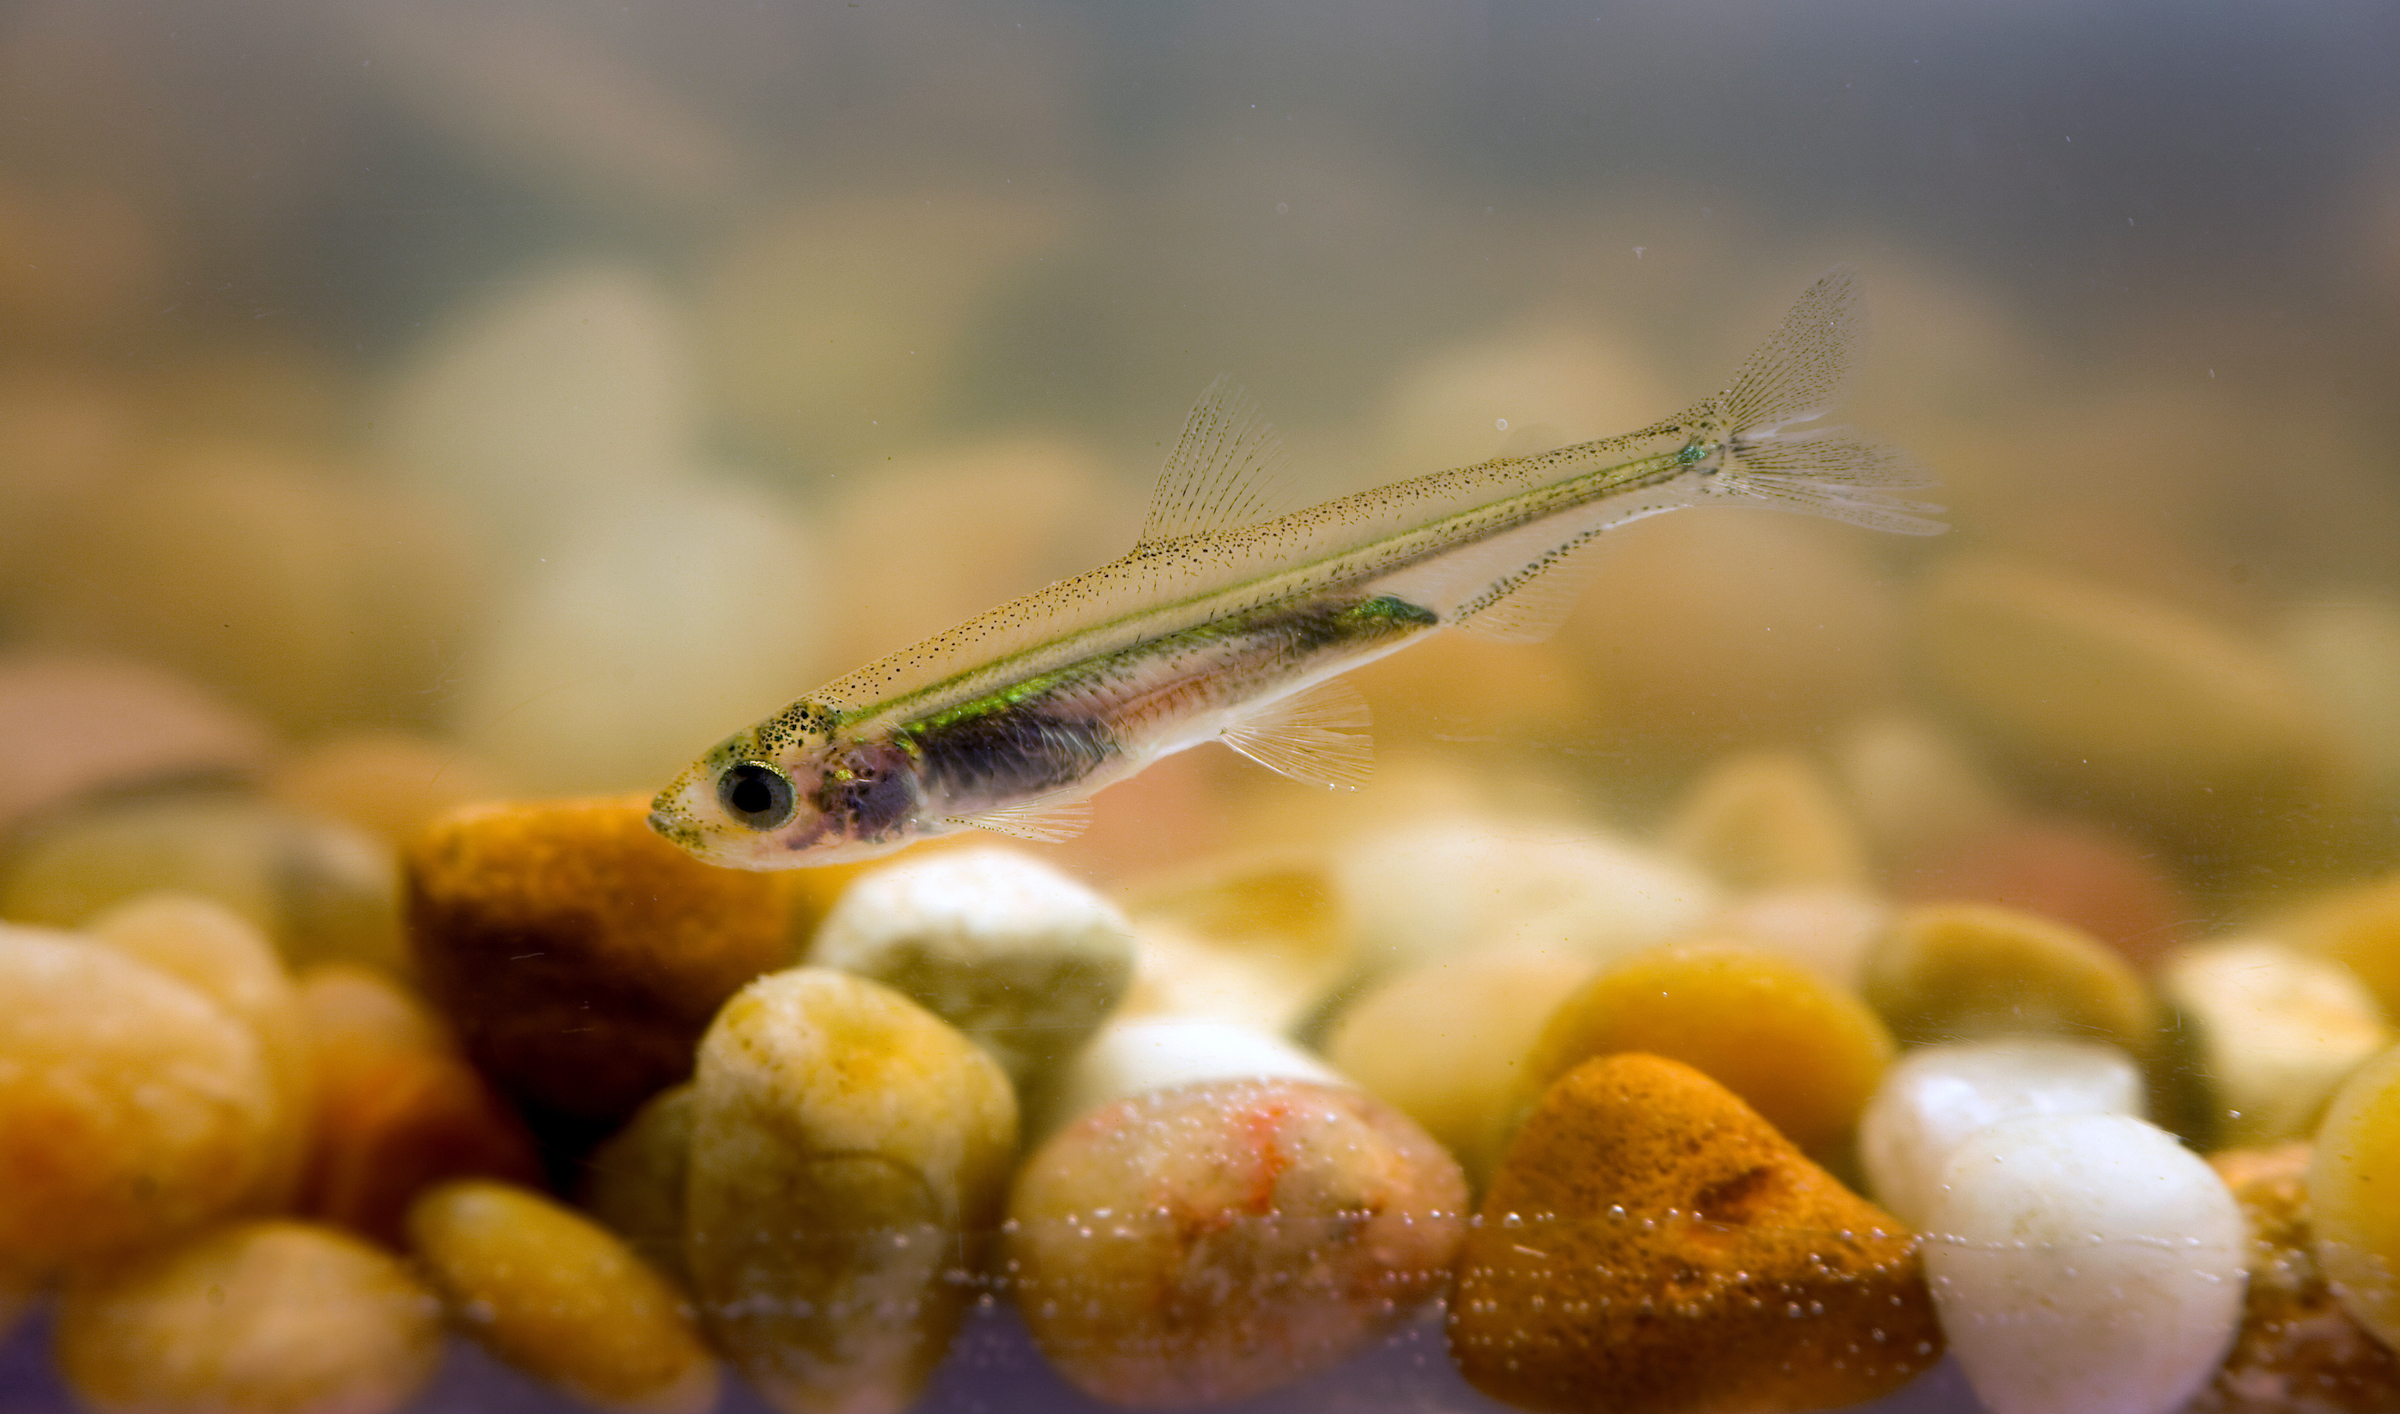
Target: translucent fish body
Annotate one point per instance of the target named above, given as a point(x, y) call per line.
point(1228, 623)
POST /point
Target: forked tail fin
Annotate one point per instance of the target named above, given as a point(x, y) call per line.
point(1774, 459)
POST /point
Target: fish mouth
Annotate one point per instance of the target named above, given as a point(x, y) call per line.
point(674, 827)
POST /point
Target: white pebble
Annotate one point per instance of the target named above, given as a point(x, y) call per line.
point(2278, 1031)
point(1418, 892)
point(1938, 1095)
point(1135, 1057)
point(2085, 1264)
point(1021, 958)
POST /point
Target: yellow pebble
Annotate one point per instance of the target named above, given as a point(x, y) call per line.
point(1766, 820)
point(1803, 1053)
point(1958, 971)
point(2350, 1184)
point(561, 1298)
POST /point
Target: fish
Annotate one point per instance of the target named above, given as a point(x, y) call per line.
point(1230, 622)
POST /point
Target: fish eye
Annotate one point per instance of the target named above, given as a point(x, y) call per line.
point(757, 796)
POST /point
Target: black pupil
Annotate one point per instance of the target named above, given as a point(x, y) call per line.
point(756, 795)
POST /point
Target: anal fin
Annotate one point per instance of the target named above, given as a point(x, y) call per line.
point(1317, 737)
point(1045, 819)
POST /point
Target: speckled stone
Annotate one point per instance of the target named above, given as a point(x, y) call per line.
point(1212, 1241)
point(1650, 1238)
point(2298, 1351)
point(579, 955)
point(849, 1152)
point(560, 1298)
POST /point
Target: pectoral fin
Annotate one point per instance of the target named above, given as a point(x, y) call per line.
point(1044, 819)
point(1318, 736)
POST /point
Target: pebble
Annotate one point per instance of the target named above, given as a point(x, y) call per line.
point(1445, 1042)
point(579, 955)
point(1956, 972)
point(1417, 891)
point(2274, 1031)
point(2298, 1351)
point(2065, 676)
point(216, 951)
point(2350, 1182)
point(1212, 1241)
point(2084, 1264)
point(642, 636)
point(2097, 879)
point(2358, 927)
point(1134, 1055)
point(1649, 1235)
point(388, 783)
point(268, 1317)
point(559, 1298)
point(1766, 820)
point(1914, 790)
point(1826, 929)
point(132, 1105)
point(634, 1182)
point(396, 1109)
point(320, 889)
point(1936, 1096)
point(1022, 959)
point(75, 726)
point(2348, 650)
point(1732, 629)
point(311, 599)
point(1804, 1054)
point(1256, 941)
point(848, 1151)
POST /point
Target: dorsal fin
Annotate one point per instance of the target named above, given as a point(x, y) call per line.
point(1046, 819)
point(1227, 469)
point(1317, 737)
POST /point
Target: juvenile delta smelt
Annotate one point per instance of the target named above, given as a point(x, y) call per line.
point(1226, 623)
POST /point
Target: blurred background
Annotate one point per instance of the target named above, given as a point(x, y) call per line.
point(543, 390)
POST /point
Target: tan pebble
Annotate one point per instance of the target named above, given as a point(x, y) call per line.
point(1024, 960)
point(1801, 1052)
point(1445, 1042)
point(579, 955)
point(848, 1151)
point(309, 600)
point(1913, 788)
point(1208, 1242)
point(132, 1106)
point(388, 783)
point(1825, 929)
point(2298, 1351)
point(1765, 820)
point(1255, 941)
point(634, 1182)
point(1465, 404)
point(73, 726)
point(66, 440)
point(2185, 723)
point(216, 950)
point(2350, 1181)
point(318, 888)
point(1651, 1236)
point(1415, 891)
point(1735, 628)
point(253, 1318)
point(561, 1299)
point(1460, 683)
point(351, 1011)
point(1957, 972)
point(2276, 1030)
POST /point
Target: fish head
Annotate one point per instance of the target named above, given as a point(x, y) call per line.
point(791, 792)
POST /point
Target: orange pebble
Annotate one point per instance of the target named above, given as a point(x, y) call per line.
point(1650, 1241)
point(399, 1123)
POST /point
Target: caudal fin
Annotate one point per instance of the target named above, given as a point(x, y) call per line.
point(1774, 458)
